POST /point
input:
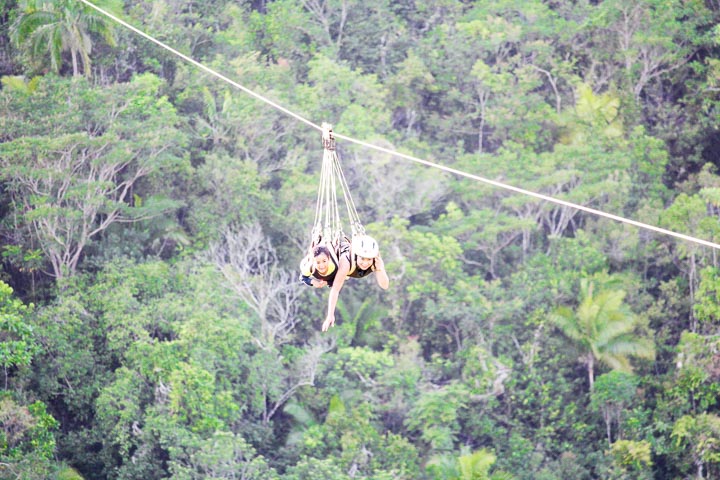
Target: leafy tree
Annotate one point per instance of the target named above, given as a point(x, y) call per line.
point(700, 434)
point(430, 262)
point(315, 468)
point(59, 26)
point(543, 411)
point(70, 370)
point(435, 415)
point(190, 367)
point(490, 52)
point(27, 441)
point(289, 30)
point(593, 114)
point(222, 456)
point(688, 213)
point(30, 261)
point(498, 231)
point(707, 304)
point(604, 329)
point(405, 93)
point(21, 84)
point(651, 38)
point(516, 221)
point(401, 383)
point(281, 32)
point(551, 277)
point(163, 359)
point(70, 186)
point(18, 344)
point(354, 103)
point(468, 466)
point(698, 371)
point(631, 459)
point(7, 55)
point(351, 436)
point(612, 395)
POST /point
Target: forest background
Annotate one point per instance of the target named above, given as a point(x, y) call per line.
point(152, 324)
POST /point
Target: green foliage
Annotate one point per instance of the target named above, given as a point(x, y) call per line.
point(593, 114)
point(707, 307)
point(363, 448)
point(435, 416)
point(604, 329)
point(364, 363)
point(68, 473)
point(18, 344)
point(193, 399)
point(55, 27)
point(467, 466)
point(351, 101)
point(27, 439)
point(631, 459)
point(612, 395)
point(700, 436)
point(117, 186)
point(697, 372)
point(69, 199)
point(475, 465)
point(220, 456)
point(689, 214)
point(351, 436)
point(20, 84)
point(315, 468)
point(436, 258)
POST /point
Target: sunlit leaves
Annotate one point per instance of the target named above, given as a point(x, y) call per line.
point(27, 439)
point(18, 343)
point(700, 435)
point(632, 456)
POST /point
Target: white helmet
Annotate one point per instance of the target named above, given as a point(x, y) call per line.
point(365, 246)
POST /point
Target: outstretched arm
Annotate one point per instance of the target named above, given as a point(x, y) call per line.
point(337, 285)
point(380, 274)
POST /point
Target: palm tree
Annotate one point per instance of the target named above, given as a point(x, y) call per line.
point(468, 466)
point(58, 26)
point(604, 328)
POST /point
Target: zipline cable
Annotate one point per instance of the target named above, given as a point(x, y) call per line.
point(201, 66)
point(402, 155)
point(534, 194)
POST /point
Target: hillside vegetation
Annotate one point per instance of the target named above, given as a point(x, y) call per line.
point(153, 217)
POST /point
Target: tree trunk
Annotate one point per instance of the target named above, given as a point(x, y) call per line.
point(73, 53)
point(608, 425)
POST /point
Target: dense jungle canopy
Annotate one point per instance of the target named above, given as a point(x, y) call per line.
point(152, 219)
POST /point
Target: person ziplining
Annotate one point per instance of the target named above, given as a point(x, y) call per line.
point(332, 257)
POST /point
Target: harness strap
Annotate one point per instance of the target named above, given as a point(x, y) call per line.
point(327, 210)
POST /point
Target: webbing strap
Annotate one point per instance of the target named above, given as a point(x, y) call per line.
point(328, 223)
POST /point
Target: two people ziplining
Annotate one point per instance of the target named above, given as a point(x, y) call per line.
point(332, 256)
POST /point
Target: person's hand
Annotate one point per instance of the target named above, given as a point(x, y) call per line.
point(379, 264)
point(329, 322)
point(317, 283)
